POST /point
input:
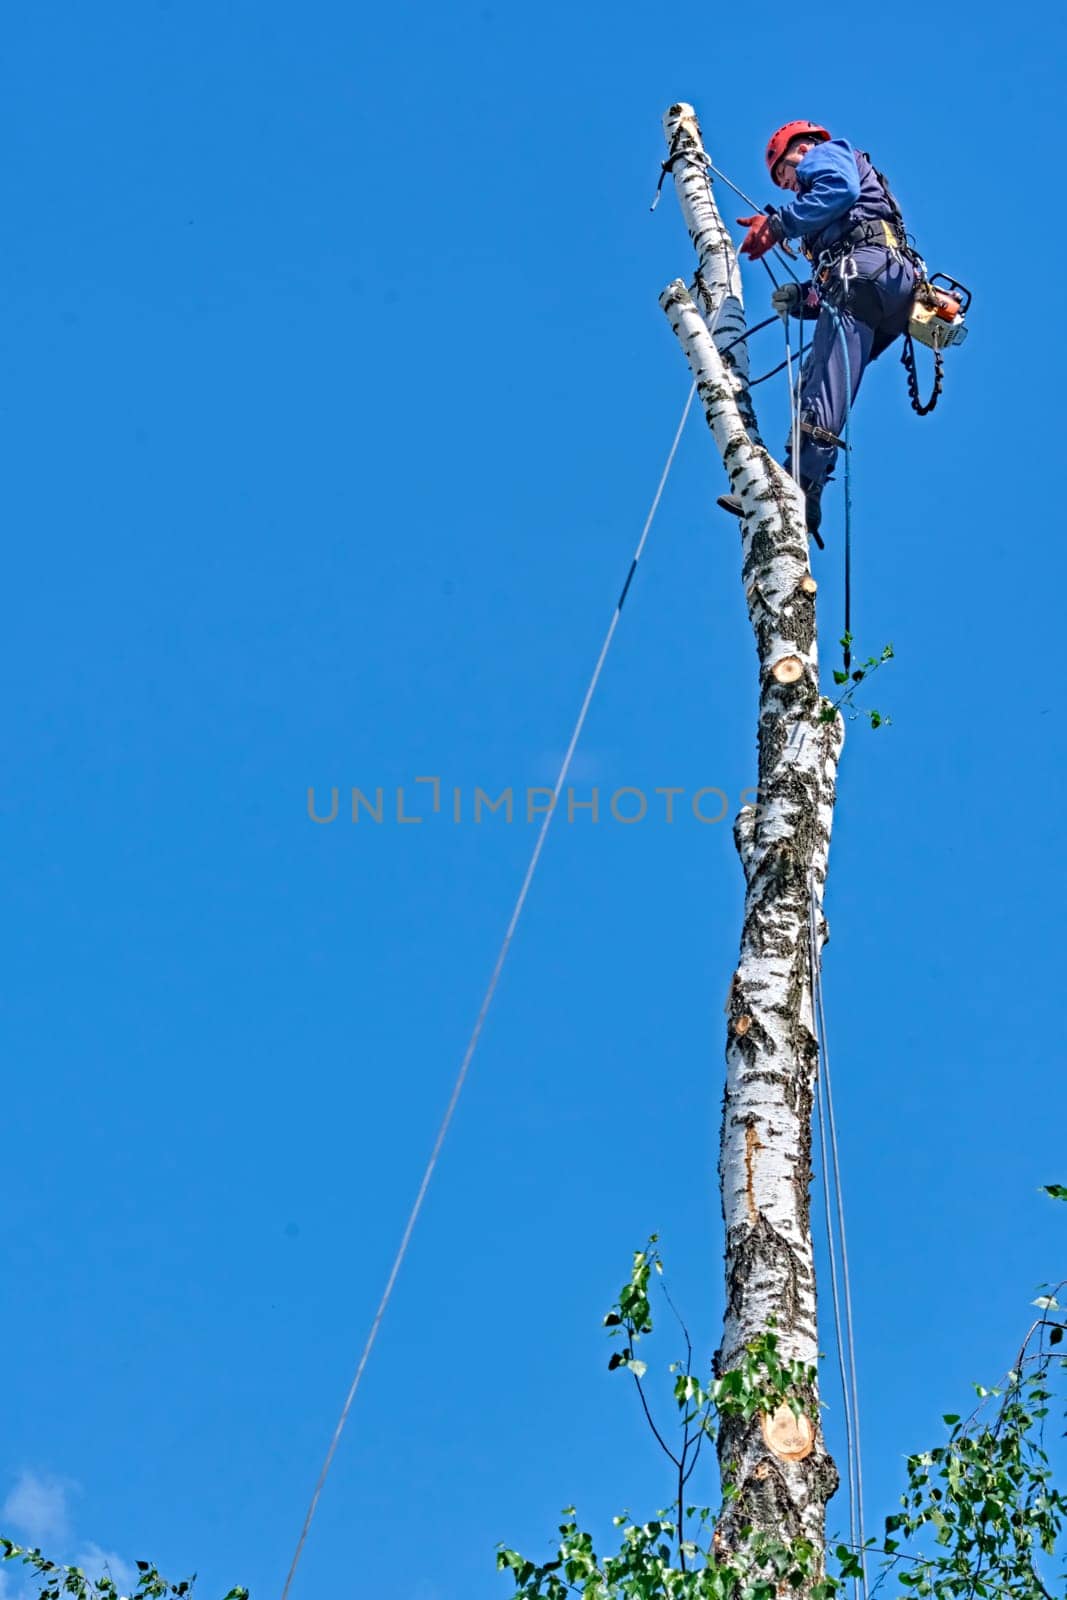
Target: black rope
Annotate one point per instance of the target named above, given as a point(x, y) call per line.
point(848, 593)
point(626, 586)
point(847, 441)
point(665, 167)
point(772, 374)
point(748, 333)
point(800, 369)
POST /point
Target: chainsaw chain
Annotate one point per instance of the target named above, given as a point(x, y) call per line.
point(908, 362)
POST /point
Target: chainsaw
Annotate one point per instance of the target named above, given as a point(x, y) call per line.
point(937, 315)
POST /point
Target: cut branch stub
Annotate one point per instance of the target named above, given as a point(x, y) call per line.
point(788, 670)
point(787, 1436)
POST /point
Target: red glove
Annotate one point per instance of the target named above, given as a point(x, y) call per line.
point(763, 234)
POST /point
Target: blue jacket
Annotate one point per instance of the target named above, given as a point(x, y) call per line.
point(838, 188)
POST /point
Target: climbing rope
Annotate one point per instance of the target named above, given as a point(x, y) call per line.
point(836, 1243)
point(487, 999)
point(798, 426)
point(848, 490)
point(800, 373)
point(794, 404)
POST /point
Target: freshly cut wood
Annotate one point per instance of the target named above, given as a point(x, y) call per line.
point(789, 670)
point(788, 1436)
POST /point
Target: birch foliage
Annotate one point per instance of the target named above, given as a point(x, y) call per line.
point(981, 1516)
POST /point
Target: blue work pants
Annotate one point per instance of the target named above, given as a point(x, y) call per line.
point(871, 309)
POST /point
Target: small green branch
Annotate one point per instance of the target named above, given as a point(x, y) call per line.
point(986, 1497)
point(59, 1581)
point(853, 678)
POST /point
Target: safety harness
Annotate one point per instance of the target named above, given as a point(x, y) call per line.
point(937, 315)
point(888, 231)
point(936, 320)
point(876, 231)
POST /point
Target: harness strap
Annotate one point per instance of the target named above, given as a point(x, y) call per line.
point(822, 435)
point(876, 230)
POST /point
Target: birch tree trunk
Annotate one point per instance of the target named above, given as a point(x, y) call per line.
point(783, 842)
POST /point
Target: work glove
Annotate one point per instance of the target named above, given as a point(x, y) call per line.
point(764, 232)
point(786, 300)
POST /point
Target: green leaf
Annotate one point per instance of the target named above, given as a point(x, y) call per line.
point(840, 677)
point(1058, 1191)
point(1046, 1302)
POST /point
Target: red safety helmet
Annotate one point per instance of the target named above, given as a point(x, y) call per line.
point(780, 141)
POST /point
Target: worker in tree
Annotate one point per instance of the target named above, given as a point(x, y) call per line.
point(863, 280)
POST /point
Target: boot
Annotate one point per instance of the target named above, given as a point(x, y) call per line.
point(813, 511)
point(812, 503)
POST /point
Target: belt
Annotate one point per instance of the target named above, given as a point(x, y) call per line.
point(878, 230)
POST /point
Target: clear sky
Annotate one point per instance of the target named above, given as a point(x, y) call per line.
point(335, 390)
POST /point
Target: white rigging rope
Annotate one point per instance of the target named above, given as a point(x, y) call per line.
point(794, 405)
point(487, 999)
point(830, 1164)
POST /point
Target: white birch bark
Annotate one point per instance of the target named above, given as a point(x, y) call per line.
point(716, 286)
point(771, 1054)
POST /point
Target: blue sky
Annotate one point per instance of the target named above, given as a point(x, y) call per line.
point(335, 393)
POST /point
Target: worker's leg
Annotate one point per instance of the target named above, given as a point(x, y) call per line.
point(863, 313)
point(870, 306)
point(896, 290)
point(829, 386)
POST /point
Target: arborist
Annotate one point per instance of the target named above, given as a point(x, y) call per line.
point(864, 277)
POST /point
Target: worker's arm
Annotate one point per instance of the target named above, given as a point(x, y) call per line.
point(830, 186)
point(796, 300)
